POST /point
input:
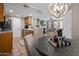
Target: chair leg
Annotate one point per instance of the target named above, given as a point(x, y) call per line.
point(61, 44)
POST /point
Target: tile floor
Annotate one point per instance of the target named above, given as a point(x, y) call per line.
point(18, 49)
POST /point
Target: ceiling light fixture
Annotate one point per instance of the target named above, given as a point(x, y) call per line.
point(58, 10)
point(11, 11)
point(32, 7)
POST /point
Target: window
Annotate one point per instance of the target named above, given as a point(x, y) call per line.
point(58, 24)
point(61, 24)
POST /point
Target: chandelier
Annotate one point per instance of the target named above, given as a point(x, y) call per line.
point(57, 10)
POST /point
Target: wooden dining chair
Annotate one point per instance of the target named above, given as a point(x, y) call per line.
point(29, 41)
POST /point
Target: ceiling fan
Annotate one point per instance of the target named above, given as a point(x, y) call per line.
point(32, 7)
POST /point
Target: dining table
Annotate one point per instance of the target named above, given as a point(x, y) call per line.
point(42, 47)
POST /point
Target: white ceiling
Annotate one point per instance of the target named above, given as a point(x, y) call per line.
point(19, 9)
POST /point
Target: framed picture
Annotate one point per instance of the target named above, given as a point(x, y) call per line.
point(43, 22)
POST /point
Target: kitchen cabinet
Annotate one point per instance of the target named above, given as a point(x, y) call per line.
point(26, 32)
point(28, 20)
point(1, 12)
point(5, 43)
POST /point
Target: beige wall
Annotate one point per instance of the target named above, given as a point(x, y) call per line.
point(67, 25)
point(71, 23)
point(75, 22)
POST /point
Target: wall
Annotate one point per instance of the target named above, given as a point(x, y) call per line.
point(75, 22)
point(22, 24)
point(70, 23)
point(67, 24)
point(16, 27)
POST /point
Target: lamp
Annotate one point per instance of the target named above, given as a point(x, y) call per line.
point(57, 10)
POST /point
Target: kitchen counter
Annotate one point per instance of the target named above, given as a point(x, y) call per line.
point(26, 32)
point(28, 29)
point(6, 39)
point(5, 31)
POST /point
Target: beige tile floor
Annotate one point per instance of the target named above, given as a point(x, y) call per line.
point(18, 49)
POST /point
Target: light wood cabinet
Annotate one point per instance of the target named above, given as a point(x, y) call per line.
point(1, 12)
point(28, 20)
point(26, 32)
point(5, 43)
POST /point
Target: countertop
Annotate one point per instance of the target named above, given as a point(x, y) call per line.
point(5, 31)
point(31, 28)
point(28, 29)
